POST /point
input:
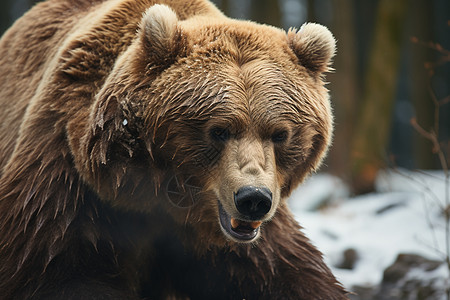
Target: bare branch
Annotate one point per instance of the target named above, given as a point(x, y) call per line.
point(431, 136)
point(435, 46)
point(444, 100)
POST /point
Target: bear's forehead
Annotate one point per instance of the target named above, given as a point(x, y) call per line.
point(237, 71)
point(236, 38)
point(255, 81)
point(241, 93)
point(261, 88)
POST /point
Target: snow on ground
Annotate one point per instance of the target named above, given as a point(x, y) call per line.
point(403, 216)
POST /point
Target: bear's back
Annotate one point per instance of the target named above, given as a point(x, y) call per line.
point(25, 52)
point(79, 39)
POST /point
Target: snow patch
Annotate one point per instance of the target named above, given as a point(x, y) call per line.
point(403, 216)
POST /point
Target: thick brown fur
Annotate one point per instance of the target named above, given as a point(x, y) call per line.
point(105, 103)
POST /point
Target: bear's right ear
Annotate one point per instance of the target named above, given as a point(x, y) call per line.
point(314, 46)
point(162, 38)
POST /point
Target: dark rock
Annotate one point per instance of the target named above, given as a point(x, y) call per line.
point(389, 207)
point(363, 292)
point(349, 259)
point(398, 282)
point(405, 263)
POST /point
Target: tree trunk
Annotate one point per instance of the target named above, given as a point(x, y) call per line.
point(225, 7)
point(5, 16)
point(344, 88)
point(266, 11)
point(311, 11)
point(421, 28)
point(372, 131)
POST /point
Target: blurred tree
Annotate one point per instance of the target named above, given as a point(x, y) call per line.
point(225, 7)
point(311, 11)
point(372, 129)
point(345, 88)
point(266, 11)
point(10, 10)
point(421, 27)
point(5, 15)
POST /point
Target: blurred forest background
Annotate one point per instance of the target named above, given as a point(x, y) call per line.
point(391, 85)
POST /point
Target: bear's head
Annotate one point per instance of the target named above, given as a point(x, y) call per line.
point(216, 120)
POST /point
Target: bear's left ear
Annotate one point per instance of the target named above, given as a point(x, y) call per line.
point(314, 45)
point(162, 38)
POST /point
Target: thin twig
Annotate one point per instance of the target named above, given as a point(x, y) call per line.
point(435, 46)
point(436, 109)
point(431, 136)
point(444, 100)
point(425, 188)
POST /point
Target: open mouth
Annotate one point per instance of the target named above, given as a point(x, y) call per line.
point(238, 229)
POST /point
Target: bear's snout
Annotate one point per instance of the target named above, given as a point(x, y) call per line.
point(253, 202)
point(247, 188)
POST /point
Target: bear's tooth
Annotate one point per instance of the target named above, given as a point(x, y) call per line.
point(234, 223)
point(255, 224)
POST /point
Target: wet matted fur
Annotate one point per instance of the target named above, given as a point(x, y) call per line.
point(126, 130)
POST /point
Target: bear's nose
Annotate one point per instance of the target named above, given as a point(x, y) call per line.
point(253, 202)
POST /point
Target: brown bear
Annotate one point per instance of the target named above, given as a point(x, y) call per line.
point(147, 149)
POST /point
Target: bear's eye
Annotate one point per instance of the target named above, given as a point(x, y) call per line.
point(280, 137)
point(219, 134)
